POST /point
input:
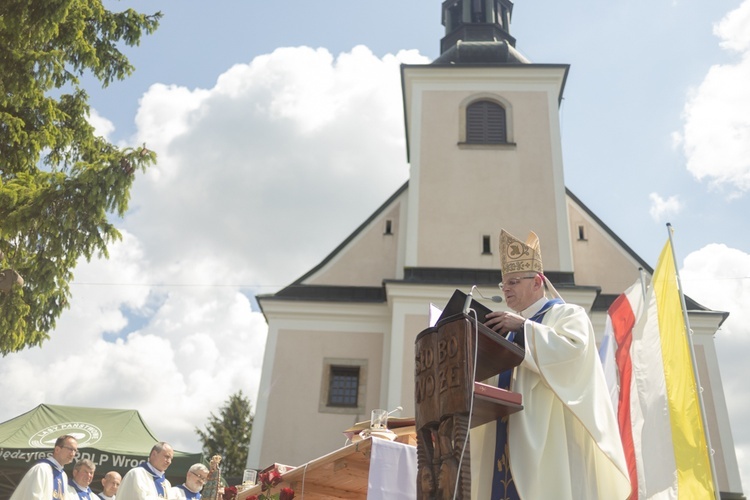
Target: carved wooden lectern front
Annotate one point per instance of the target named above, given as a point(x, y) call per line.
point(445, 388)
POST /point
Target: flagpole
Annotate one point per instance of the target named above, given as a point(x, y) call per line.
point(642, 277)
point(699, 387)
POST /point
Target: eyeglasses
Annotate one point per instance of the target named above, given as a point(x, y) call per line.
point(200, 478)
point(514, 281)
point(74, 450)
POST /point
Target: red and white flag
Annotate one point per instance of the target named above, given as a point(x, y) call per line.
point(622, 316)
point(646, 357)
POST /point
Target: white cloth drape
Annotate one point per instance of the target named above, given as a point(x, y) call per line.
point(393, 471)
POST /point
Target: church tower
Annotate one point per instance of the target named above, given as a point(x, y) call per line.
point(484, 142)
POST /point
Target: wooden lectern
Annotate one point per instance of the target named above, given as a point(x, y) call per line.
point(449, 400)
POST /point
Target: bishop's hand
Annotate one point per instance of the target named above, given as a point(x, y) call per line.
point(504, 322)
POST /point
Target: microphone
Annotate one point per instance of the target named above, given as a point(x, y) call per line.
point(469, 297)
point(398, 408)
point(494, 298)
point(387, 415)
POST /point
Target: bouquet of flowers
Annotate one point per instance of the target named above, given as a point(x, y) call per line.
point(268, 480)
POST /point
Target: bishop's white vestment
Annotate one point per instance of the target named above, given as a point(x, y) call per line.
point(565, 443)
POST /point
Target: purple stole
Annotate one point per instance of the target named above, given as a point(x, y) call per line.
point(503, 487)
point(190, 495)
point(58, 490)
point(158, 481)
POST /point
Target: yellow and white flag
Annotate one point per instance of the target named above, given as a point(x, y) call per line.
point(656, 399)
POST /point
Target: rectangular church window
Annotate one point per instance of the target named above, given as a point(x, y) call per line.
point(486, 244)
point(344, 386)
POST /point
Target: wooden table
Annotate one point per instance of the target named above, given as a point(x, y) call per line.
point(341, 474)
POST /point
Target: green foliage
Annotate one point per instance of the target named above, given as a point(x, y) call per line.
point(229, 434)
point(59, 182)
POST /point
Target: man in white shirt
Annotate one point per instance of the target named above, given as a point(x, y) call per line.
point(190, 490)
point(83, 474)
point(110, 482)
point(46, 479)
point(147, 481)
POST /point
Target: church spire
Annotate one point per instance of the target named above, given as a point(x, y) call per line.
point(480, 24)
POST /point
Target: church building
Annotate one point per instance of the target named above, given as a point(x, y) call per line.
point(484, 147)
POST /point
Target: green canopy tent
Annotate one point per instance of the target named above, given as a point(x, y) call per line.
point(113, 439)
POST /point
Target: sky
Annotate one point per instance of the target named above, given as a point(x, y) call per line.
point(279, 129)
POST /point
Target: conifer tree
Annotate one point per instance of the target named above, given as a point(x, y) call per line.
point(228, 434)
point(60, 183)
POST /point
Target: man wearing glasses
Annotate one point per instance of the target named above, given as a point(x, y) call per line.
point(46, 479)
point(194, 481)
point(147, 481)
point(565, 443)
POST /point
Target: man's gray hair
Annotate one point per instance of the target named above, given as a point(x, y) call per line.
point(195, 468)
point(85, 462)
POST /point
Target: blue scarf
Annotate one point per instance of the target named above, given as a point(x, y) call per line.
point(158, 481)
point(503, 486)
point(190, 495)
point(58, 490)
point(86, 494)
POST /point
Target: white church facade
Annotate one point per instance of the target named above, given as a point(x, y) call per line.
point(485, 153)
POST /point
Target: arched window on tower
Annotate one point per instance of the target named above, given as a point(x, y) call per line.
point(485, 123)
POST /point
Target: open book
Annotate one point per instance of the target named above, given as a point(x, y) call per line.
point(455, 306)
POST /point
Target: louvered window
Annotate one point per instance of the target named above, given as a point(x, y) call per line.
point(485, 123)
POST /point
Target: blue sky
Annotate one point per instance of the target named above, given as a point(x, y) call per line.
point(249, 106)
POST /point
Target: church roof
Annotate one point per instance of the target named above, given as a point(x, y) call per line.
point(299, 290)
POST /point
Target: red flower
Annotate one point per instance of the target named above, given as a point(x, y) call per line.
point(264, 481)
point(286, 494)
point(274, 477)
point(230, 493)
point(267, 481)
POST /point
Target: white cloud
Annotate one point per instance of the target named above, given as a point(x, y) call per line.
point(733, 29)
point(661, 209)
point(102, 126)
point(258, 179)
point(273, 166)
point(716, 130)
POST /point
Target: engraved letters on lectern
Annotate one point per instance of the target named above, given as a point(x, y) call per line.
point(448, 372)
